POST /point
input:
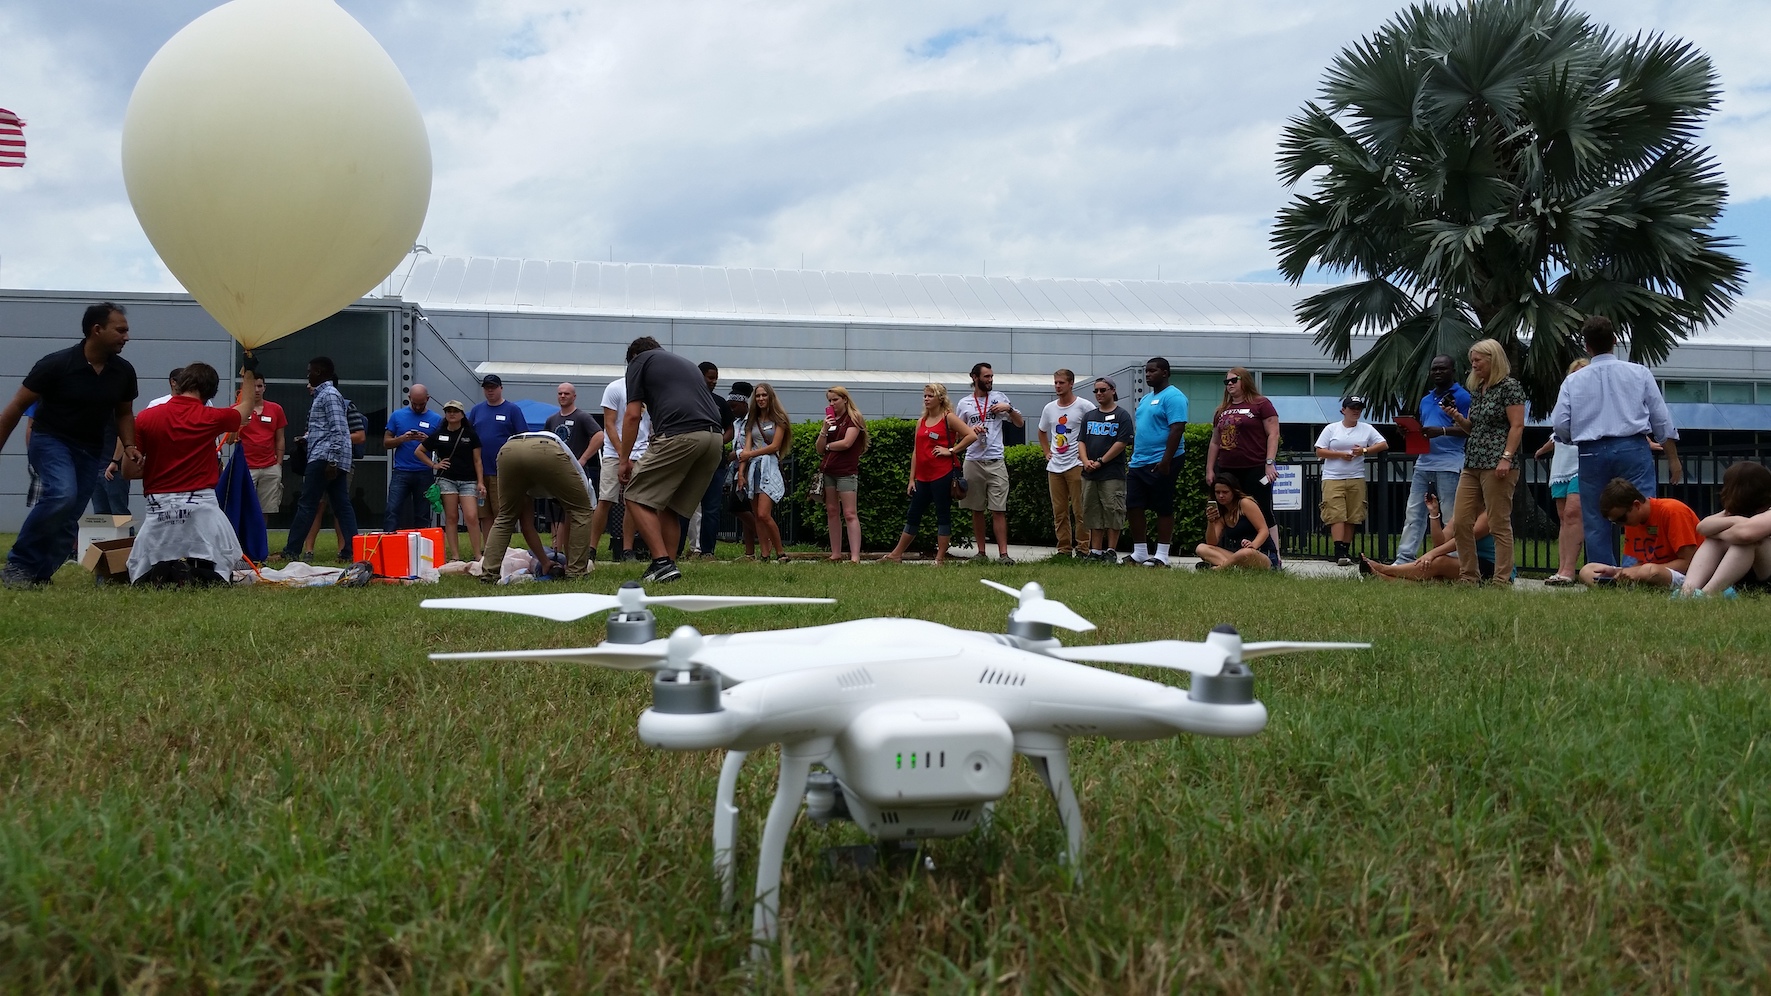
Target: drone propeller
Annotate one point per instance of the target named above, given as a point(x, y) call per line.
point(622, 657)
point(567, 606)
point(1268, 648)
point(1179, 655)
point(1036, 608)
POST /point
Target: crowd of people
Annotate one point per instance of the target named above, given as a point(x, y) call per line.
point(666, 455)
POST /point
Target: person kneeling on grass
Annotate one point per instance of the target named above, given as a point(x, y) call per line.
point(1736, 548)
point(1440, 563)
point(1659, 533)
point(1235, 530)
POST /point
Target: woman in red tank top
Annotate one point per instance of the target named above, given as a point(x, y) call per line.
point(939, 435)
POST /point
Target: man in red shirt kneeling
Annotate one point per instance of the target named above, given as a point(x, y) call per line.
point(185, 537)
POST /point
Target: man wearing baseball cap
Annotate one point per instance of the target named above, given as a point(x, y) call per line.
point(495, 420)
point(1343, 447)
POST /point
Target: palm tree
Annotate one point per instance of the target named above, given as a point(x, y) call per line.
point(1504, 169)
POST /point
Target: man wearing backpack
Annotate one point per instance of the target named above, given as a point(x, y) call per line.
point(330, 456)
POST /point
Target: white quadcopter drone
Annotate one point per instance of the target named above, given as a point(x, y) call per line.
point(915, 723)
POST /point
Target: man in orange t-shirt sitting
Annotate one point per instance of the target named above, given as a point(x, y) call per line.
point(1659, 533)
point(185, 537)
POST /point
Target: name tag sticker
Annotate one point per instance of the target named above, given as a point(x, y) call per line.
point(499, 417)
point(264, 418)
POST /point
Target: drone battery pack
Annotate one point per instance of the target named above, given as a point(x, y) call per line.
point(924, 751)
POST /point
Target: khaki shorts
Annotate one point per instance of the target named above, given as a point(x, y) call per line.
point(609, 487)
point(675, 471)
point(848, 483)
point(1103, 504)
point(1343, 501)
point(986, 486)
point(269, 482)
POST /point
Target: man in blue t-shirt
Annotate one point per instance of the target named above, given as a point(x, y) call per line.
point(1157, 445)
point(494, 421)
point(410, 477)
point(1436, 471)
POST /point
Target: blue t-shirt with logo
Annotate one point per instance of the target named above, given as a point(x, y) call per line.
point(1444, 452)
point(404, 421)
point(495, 424)
point(1156, 412)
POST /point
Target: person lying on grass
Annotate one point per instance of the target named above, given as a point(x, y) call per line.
point(1736, 548)
point(1659, 533)
point(1440, 563)
point(1235, 531)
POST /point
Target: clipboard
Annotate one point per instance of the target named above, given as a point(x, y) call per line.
point(1414, 441)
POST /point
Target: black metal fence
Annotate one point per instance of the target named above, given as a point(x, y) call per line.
point(1388, 477)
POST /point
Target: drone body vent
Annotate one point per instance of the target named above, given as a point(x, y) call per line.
point(961, 815)
point(998, 676)
point(858, 678)
point(1076, 729)
point(888, 816)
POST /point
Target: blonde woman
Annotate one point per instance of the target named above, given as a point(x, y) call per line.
point(840, 445)
point(1495, 424)
point(1565, 489)
point(939, 435)
point(767, 435)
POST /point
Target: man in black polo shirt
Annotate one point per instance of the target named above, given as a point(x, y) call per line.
point(77, 390)
point(666, 486)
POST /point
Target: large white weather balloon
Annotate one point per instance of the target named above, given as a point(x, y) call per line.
point(277, 161)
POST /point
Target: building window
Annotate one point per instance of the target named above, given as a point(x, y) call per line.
point(1687, 391)
point(1731, 392)
point(1285, 385)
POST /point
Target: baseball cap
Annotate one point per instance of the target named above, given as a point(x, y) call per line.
point(1353, 401)
point(491, 380)
point(458, 406)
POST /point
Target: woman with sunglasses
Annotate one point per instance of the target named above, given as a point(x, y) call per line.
point(939, 435)
point(1245, 447)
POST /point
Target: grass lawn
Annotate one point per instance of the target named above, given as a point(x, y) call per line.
point(252, 790)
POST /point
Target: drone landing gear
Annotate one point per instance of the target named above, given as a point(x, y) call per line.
point(725, 828)
point(790, 790)
point(1051, 761)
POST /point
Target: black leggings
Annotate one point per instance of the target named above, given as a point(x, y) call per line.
point(938, 492)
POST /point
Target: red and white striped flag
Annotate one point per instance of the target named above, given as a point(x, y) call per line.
point(12, 139)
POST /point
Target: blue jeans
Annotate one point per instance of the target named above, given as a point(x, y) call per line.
point(406, 506)
point(1602, 460)
point(712, 504)
point(110, 497)
point(67, 475)
point(337, 492)
point(1415, 526)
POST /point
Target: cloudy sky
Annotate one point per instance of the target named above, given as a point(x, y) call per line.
point(1037, 138)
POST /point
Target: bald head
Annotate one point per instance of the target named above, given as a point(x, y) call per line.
point(568, 397)
point(418, 397)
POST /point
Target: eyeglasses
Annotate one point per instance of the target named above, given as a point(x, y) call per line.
point(1232, 380)
point(1103, 390)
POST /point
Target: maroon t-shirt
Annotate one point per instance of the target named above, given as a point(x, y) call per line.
point(841, 463)
point(1242, 433)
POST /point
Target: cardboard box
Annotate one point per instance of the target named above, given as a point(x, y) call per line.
point(108, 559)
point(104, 527)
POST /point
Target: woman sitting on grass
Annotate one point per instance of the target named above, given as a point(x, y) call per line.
point(939, 435)
point(1441, 563)
point(1235, 531)
point(1736, 548)
point(767, 434)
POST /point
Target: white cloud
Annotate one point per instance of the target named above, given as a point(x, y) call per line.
point(1050, 138)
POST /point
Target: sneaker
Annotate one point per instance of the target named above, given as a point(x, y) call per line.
point(17, 578)
point(1344, 562)
point(1203, 565)
point(1005, 560)
point(1557, 581)
point(662, 571)
point(983, 557)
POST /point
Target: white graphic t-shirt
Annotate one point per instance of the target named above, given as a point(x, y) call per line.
point(1062, 425)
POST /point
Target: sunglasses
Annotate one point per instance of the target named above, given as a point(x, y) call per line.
point(1232, 380)
point(1103, 390)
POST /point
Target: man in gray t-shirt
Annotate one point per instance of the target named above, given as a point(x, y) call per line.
point(686, 449)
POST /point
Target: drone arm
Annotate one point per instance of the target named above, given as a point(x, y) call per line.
point(790, 791)
point(725, 828)
point(1050, 757)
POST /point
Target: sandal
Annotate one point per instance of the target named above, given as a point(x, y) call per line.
point(1557, 581)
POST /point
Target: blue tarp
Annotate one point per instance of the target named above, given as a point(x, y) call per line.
point(239, 502)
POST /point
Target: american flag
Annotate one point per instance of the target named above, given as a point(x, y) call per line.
point(12, 139)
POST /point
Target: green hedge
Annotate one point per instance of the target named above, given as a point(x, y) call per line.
point(885, 469)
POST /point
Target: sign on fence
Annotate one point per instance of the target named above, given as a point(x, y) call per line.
point(1288, 489)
